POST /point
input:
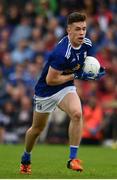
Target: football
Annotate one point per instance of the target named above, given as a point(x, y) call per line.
point(91, 65)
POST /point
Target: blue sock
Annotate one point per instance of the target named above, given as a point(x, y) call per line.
point(26, 158)
point(73, 152)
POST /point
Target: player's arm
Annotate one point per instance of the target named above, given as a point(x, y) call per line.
point(55, 77)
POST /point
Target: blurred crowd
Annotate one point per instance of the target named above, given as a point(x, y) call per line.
point(29, 30)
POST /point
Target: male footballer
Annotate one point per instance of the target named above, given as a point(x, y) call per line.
point(56, 88)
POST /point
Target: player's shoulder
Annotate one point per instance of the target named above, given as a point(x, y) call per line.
point(62, 47)
point(87, 42)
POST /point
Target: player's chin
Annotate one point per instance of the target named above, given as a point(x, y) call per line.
point(80, 41)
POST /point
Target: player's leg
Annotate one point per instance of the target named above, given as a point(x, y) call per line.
point(39, 122)
point(72, 106)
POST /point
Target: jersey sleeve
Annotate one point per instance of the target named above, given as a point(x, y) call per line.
point(57, 61)
point(90, 51)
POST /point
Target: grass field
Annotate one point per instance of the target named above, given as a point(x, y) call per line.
point(49, 162)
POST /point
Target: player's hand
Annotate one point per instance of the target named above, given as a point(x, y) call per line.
point(83, 76)
point(101, 73)
point(89, 76)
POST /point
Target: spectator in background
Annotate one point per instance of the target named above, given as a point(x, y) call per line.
point(16, 94)
point(9, 121)
point(17, 76)
point(50, 40)
point(106, 93)
point(62, 17)
point(22, 52)
point(3, 22)
point(31, 76)
point(24, 117)
point(90, 7)
point(43, 8)
point(93, 116)
point(2, 130)
point(114, 69)
point(8, 66)
point(36, 35)
point(39, 62)
point(29, 11)
point(3, 89)
point(13, 15)
point(103, 17)
point(4, 36)
point(113, 121)
point(22, 31)
point(104, 56)
point(113, 6)
point(96, 36)
point(57, 128)
point(71, 5)
point(53, 26)
point(110, 39)
point(3, 50)
point(2, 10)
point(110, 125)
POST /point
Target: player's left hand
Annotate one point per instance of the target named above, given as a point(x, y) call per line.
point(101, 73)
point(83, 75)
point(89, 76)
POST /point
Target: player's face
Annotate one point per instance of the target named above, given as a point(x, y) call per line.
point(77, 32)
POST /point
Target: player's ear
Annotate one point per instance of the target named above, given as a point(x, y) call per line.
point(68, 29)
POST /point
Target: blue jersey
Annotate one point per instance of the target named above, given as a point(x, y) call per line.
point(66, 58)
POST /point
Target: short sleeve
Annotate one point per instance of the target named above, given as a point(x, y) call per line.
point(90, 51)
point(57, 61)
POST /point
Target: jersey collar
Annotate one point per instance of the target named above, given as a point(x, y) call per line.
point(76, 48)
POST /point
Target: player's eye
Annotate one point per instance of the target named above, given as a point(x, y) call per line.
point(84, 29)
point(78, 29)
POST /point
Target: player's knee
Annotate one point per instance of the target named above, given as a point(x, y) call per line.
point(76, 116)
point(36, 130)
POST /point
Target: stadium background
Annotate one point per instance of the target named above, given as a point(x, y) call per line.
point(28, 32)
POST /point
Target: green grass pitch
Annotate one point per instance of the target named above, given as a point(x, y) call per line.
point(49, 162)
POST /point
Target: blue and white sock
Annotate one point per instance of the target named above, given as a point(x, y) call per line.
point(26, 158)
point(73, 151)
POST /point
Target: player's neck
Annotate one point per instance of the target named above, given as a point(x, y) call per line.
point(74, 46)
